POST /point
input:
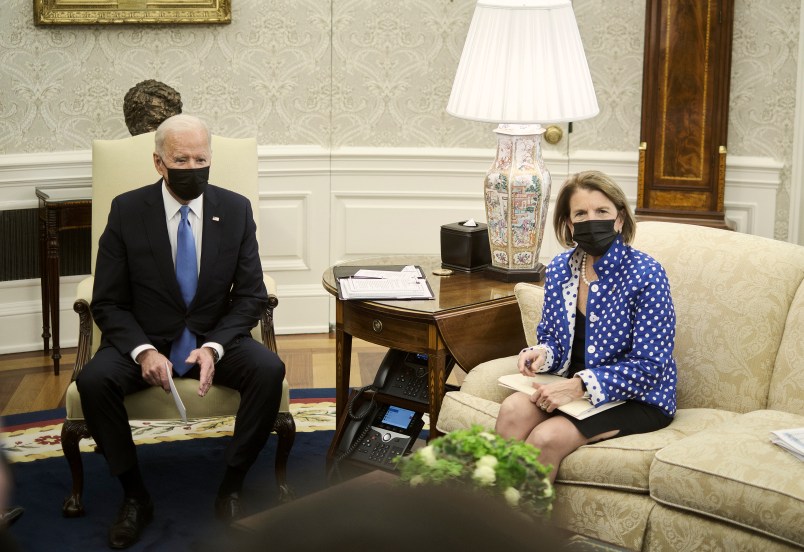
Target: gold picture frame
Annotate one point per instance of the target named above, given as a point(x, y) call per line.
point(125, 12)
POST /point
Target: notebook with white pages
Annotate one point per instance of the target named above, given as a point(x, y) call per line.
point(579, 408)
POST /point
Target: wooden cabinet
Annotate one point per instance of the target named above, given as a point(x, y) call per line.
point(685, 102)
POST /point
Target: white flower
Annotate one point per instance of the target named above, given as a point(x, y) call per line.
point(484, 475)
point(486, 435)
point(416, 480)
point(427, 455)
point(511, 496)
point(487, 460)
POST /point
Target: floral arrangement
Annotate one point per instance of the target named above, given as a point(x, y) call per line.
point(485, 461)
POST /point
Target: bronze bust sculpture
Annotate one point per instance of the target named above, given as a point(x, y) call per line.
point(147, 104)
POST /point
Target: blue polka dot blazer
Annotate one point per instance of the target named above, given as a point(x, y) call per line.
point(630, 326)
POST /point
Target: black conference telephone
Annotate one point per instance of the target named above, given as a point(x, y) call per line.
point(379, 435)
point(402, 374)
point(379, 432)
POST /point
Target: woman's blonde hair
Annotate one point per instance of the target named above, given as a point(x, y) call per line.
point(591, 180)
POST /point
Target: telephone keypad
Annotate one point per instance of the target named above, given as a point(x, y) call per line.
point(410, 382)
point(404, 374)
point(381, 447)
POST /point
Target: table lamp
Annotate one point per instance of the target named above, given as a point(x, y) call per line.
point(522, 65)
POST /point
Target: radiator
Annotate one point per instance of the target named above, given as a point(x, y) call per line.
point(19, 247)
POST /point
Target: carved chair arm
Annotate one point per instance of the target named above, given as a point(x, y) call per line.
point(81, 306)
point(267, 323)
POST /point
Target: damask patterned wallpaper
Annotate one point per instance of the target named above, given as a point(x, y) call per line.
point(338, 73)
point(762, 101)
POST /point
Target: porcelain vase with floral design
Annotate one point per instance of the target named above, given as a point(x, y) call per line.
point(517, 195)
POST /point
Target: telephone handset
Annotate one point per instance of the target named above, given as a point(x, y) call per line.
point(402, 374)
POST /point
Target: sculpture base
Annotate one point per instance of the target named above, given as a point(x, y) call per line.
point(511, 275)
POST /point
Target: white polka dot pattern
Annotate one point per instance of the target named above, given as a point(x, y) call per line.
point(630, 326)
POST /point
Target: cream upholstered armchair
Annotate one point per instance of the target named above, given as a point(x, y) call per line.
point(118, 166)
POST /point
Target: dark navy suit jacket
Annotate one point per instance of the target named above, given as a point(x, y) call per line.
point(136, 298)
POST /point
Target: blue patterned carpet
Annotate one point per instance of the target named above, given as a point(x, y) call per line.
point(182, 477)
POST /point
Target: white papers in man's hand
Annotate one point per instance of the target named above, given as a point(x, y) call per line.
point(792, 440)
point(175, 393)
point(579, 408)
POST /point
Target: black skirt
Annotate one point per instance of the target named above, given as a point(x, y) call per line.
point(629, 418)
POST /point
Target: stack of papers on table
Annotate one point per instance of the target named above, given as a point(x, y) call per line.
point(792, 440)
point(382, 283)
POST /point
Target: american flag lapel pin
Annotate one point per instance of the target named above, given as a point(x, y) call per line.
point(216, 219)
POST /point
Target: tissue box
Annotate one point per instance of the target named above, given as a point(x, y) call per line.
point(465, 248)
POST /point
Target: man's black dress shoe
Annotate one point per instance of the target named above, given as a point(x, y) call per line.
point(228, 507)
point(131, 520)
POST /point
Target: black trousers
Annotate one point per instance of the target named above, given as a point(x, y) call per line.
point(247, 366)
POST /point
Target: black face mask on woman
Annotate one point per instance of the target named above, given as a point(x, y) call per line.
point(187, 184)
point(594, 236)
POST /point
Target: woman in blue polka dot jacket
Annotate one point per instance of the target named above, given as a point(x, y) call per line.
point(608, 327)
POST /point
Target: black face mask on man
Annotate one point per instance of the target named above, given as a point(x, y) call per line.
point(187, 184)
point(594, 236)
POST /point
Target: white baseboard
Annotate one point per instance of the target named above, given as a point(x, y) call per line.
point(21, 315)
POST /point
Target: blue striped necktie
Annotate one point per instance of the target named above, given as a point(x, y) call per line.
point(187, 276)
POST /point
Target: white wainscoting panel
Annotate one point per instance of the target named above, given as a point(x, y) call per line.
point(294, 233)
point(751, 190)
point(373, 224)
point(284, 229)
point(319, 207)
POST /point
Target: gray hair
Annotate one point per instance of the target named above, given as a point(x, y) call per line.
point(182, 121)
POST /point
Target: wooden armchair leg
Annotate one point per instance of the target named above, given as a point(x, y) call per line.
point(72, 431)
point(285, 429)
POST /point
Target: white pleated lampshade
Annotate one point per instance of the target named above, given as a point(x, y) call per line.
point(523, 62)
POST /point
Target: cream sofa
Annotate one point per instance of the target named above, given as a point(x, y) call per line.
point(712, 480)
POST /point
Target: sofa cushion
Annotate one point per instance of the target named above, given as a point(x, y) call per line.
point(732, 293)
point(530, 299)
point(787, 383)
point(460, 410)
point(482, 380)
point(733, 472)
point(624, 462)
point(621, 463)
